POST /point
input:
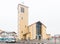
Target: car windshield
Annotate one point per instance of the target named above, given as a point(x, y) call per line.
point(3, 39)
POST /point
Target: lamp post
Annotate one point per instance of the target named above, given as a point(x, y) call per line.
point(59, 39)
point(55, 39)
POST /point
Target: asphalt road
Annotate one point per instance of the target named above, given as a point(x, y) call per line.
point(9, 43)
point(12, 43)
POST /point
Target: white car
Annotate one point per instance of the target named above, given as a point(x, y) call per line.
point(10, 40)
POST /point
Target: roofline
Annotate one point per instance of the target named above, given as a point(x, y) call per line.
point(48, 34)
point(33, 24)
point(36, 22)
point(44, 25)
point(23, 5)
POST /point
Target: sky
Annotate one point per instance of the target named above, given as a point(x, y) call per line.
point(46, 11)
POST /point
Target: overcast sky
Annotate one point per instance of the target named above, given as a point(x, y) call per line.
point(46, 11)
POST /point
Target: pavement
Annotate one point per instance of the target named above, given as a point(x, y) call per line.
point(24, 42)
point(10, 43)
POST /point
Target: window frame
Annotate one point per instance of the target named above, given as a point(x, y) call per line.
point(22, 10)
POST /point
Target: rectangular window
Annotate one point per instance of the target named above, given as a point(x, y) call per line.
point(38, 28)
point(22, 9)
point(22, 18)
point(39, 37)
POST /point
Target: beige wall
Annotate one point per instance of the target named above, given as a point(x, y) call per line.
point(48, 36)
point(22, 23)
point(43, 32)
point(32, 31)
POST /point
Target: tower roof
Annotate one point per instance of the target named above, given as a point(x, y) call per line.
point(38, 22)
point(23, 5)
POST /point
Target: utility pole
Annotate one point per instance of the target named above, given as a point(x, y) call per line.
point(55, 39)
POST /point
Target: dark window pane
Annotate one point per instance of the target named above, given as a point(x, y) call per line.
point(39, 37)
point(38, 28)
point(22, 9)
point(22, 18)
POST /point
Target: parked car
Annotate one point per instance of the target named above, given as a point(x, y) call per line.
point(2, 39)
point(10, 40)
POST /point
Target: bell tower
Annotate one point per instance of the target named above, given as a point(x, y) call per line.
point(22, 21)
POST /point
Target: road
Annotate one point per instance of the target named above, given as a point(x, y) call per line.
point(9, 43)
